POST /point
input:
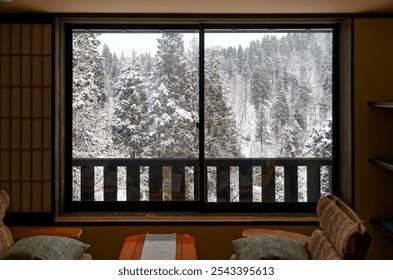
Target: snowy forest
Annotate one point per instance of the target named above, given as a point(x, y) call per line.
point(271, 98)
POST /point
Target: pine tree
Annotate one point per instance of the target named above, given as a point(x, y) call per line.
point(170, 63)
point(89, 133)
point(129, 109)
point(107, 55)
point(221, 138)
point(172, 108)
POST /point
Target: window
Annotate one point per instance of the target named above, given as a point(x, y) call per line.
point(198, 118)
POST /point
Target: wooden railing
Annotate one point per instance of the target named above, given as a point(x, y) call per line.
point(226, 180)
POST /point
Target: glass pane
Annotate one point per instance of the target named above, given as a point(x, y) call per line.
point(135, 96)
point(267, 95)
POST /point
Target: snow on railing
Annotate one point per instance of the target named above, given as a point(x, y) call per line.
point(226, 180)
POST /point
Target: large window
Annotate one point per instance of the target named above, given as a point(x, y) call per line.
point(198, 118)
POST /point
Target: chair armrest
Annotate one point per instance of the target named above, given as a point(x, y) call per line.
point(72, 232)
point(282, 233)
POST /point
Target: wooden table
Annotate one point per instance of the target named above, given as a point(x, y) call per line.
point(133, 245)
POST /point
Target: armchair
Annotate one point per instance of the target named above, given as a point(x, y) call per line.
point(42, 243)
point(342, 235)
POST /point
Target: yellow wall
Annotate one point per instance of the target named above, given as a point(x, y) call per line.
point(373, 128)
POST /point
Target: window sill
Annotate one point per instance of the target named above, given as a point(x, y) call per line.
point(187, 217)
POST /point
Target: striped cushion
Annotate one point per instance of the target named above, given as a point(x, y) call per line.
point(320, 248)
point(342, 232)
point(4, 203)
point(6, 239)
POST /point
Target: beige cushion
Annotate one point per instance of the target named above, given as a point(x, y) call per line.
point(320, 248)
point(269, 247)
point(44, 247)
point(6, 239)
point(342, 232)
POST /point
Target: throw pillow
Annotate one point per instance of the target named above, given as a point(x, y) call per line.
point(269, 247)
point(46, 248)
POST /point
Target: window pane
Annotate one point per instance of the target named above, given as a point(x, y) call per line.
point(135, 96)
point(267, 95)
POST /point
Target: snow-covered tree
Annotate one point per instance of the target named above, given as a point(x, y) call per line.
point(90, 122)
point(221, 137)
point(107, 55)
point(129, 126)
point(172, 109)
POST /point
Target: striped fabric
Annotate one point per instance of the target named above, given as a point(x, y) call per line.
point(6, 239)
point(320, 248)
point(342, 232)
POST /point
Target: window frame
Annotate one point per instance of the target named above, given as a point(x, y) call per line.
point(64, 148)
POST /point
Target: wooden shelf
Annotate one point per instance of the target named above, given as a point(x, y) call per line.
point(386, 224)
point(381, 104)
point(385, 163)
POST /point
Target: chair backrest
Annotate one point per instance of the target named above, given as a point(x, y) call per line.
point(6, 239)
point(343, 234)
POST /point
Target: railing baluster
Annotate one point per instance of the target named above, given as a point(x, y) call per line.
point(178, 183)
point(155, 183)
point(330, 170)
point(223, 184)
point(269, 182)
point(313, 183)
point(110, 182)
point(290, 184)
point(196, 183)
point(245, 183)
point(133, 183)
point(87, 182)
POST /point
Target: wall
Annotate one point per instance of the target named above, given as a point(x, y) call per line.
point(373, 131)
point(25, 115)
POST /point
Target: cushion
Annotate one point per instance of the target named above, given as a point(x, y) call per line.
point(342, 232)
point(6, 239)
point(269, 247)
point(46, 248)
point(4, 203)
point(320, 248)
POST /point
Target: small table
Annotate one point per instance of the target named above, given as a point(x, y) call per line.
point(133, 246)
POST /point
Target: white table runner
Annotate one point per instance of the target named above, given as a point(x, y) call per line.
point(159, 247)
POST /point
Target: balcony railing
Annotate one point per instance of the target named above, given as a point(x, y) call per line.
point(225, 180)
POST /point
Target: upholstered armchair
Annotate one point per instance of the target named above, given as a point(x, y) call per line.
point(59, 243)
point(342, 235)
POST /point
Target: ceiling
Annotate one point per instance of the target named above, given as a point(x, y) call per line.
point(199, 6)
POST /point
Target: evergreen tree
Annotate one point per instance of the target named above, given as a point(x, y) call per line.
point(170, 67)
point(280, 121)
point(107, 55)
point(221, 138)
point(171, 101)
point(129, 109)
point(147, 64)
point(90, 130)
point(113, 74)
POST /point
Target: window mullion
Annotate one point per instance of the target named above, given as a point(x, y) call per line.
point(201, 126)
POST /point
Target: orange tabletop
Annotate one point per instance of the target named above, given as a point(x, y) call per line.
point(133, 245)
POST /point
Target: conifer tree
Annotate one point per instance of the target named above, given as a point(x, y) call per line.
point(89, 131)
point(176, 112)
point(221, 138)
point(129, 121)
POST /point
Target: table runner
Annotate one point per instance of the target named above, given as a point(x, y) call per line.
point(159, 247)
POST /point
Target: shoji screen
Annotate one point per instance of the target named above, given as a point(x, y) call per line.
point(25, 115)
